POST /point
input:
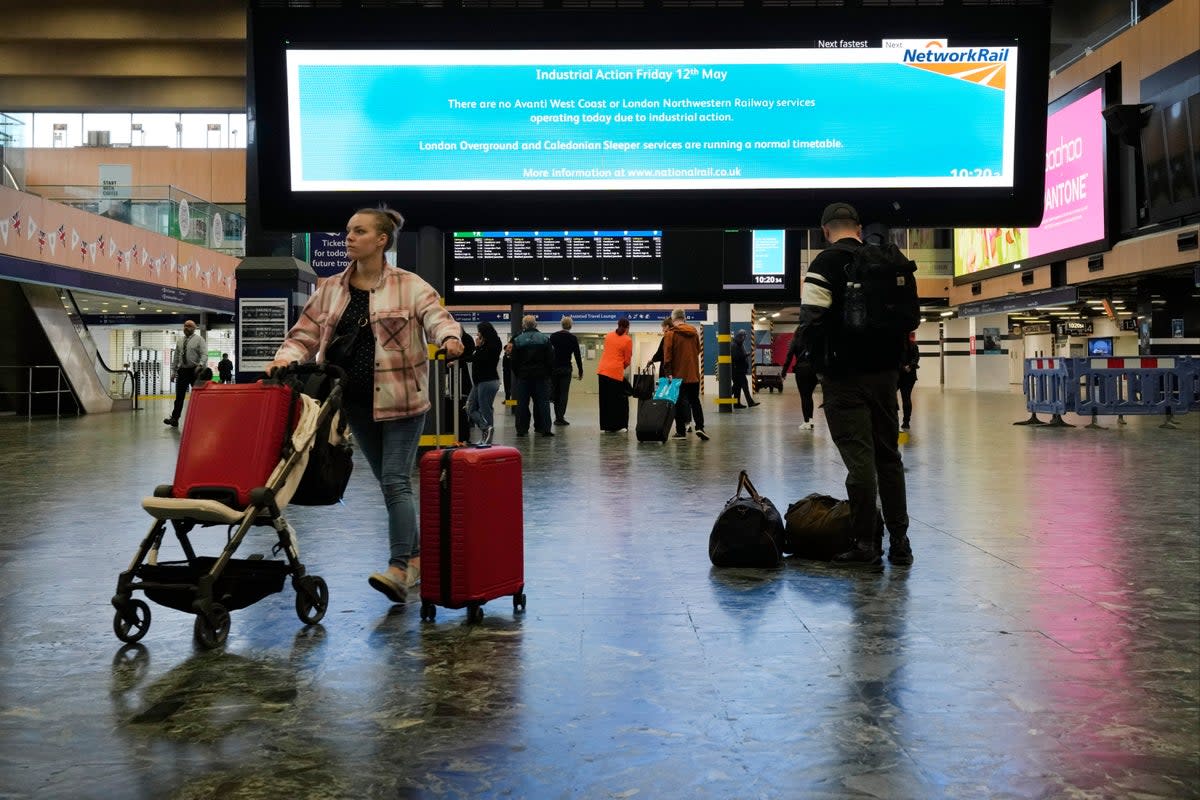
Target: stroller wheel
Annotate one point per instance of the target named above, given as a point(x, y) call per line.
point(212, 629)
point(132, 622)
point(312, 598)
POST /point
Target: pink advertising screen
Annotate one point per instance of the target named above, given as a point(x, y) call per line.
point(1074, 199)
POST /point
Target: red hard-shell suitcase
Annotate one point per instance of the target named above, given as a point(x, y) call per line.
point(232, 439)
point(472, 529)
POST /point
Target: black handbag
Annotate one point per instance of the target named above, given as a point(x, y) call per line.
point(748, 532)
point(643, 385)
point(330, 463)
point(341, 347)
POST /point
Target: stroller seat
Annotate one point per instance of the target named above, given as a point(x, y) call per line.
point(206, 512)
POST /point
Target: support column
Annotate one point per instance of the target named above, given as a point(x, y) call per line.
point(724, 360)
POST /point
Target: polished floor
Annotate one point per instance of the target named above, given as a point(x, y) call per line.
point(1045, 644)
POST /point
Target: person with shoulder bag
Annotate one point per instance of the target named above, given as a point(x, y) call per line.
point(375, 321)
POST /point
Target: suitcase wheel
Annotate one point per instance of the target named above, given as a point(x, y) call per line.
point(312, 598)
point(474, 614)
point(519, 600)
point(428, 611)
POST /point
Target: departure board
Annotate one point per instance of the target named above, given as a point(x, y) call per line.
point(556, 261)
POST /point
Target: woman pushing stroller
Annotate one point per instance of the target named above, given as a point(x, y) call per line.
point(374, 321)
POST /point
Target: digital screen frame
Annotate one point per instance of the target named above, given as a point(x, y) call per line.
point(421, 131)
point(1079, 208)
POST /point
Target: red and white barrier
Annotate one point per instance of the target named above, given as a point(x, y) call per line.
point(1133, 363)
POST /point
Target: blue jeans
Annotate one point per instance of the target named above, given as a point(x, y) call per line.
point(480, 402)
point(390, 448)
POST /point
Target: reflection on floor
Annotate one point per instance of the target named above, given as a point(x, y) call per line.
point(1045, 644)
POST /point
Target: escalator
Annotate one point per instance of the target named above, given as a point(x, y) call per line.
point(46, 365)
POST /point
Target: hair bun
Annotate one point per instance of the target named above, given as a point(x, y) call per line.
point(395, 216)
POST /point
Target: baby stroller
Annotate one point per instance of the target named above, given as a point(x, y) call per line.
point(247, 450)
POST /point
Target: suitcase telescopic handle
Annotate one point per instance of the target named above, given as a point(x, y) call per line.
point(441, 361)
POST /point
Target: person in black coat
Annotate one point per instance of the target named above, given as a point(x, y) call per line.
point(806, 379)
point(741, 367)
point(908, 377)
point(486, 381)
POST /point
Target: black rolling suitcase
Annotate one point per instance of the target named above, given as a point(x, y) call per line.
point(657, 415)
point(654, 420)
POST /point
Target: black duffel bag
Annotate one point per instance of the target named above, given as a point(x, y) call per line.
point(818, 527)
point(748, 532)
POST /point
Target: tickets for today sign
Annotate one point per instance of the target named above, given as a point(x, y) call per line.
point(327, 253)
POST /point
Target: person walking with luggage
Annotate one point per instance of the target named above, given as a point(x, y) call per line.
point(375, 321)
point(614, 390)
point(532, 363)
point(806, 378)
point(225, 368)
point(858, 302)
point(908, 378)
point(658, 354)
point(486, 377)
point(681, 359)
point(565, 346)
point(188, 358)
point(741, 368)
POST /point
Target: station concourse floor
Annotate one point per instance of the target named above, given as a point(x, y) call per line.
point(1045, 644)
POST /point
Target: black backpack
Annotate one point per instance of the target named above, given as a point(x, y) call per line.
point(881, 292)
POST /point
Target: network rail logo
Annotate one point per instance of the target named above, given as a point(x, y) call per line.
point(986, 66)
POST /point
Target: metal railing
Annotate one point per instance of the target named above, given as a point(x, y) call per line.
point(61, 387)
point(165, 210)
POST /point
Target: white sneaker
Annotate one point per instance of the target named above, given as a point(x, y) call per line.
point(806, 426)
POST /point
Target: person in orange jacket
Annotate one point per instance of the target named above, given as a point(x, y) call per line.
point(614, 389)
point(681, 359)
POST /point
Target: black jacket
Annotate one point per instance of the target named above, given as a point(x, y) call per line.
point(832, 349)
point(484, 361)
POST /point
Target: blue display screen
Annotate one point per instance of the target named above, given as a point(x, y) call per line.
point(904, 113)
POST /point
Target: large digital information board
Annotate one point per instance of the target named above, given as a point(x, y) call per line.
point(484, 267)
point(1075, 197)
point(521, 262)
point(538, 120)
point(484, 118)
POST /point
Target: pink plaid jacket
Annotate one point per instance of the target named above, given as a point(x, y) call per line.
point(406, 312)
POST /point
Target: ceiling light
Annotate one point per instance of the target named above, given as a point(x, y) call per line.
point(776, 314)
point(947, 314)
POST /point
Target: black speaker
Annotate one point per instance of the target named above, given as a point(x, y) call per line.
point(1126, 121)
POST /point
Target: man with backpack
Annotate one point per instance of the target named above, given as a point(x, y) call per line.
point(858, 304)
